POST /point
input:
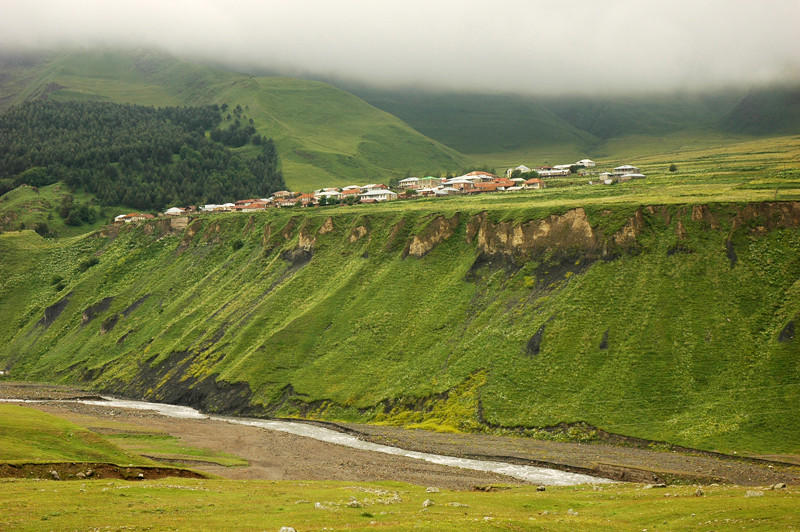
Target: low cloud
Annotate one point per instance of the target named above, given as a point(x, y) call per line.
point(539, 47)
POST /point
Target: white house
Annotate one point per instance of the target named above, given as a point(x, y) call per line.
point(552, 172)
point(588, 163)
point(330, 193)
point(625, 169)
point(522, 168)
point(377, 194)
point(409, 182)
point(174, 211)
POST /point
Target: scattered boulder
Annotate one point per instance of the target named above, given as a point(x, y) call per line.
point(427, 503)
point(80, 474)
point(572, 512)
point(140, 476)
point(754, 493)
point(604, 342)
point(457, 505)
point(535, 343)
point(699, 492)
point(787, 334)
point(779, 486)
point(540, 488)
point(287, 529)
point(353, 504)
point(55, 475)
point(432, 490)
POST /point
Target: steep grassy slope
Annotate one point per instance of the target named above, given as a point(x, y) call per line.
point(324, 135)
point(672, 322)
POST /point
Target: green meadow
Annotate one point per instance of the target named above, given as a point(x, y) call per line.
point(28, 435)
point(171, 504)
point(682, 336)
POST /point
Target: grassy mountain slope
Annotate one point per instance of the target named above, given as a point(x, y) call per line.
point(765, 112)
point(671, 322)
point(475, 124)
point(324, 135)
point(507, 130)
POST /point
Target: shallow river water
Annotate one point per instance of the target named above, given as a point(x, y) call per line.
point(536, 475)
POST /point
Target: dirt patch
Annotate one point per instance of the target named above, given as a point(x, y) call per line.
point(52, 312)
point(297, 257)
point(109, 323)
point(604, 342)
point(535, 342)
point(92, 470)
point(731, 252)
point(358, 233)
point(136, 304)
point(327, 227)
point(92, 311)
point(787, 333)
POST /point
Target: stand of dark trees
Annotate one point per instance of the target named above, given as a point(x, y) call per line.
point(142, 157)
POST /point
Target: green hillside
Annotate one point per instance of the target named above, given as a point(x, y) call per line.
point(671, 322)
point(765, 112)
point(479, 124)
point(324, 136)
point(505, 130)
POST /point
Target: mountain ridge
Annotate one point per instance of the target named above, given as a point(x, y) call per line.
point(325, 136)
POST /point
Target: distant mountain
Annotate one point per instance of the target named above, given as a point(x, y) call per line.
point(477, 123)
point(485, 123)
point(324, 136)
point(612, 117)
point(765, 112)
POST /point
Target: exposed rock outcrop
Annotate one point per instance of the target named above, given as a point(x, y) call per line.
point(439, 230)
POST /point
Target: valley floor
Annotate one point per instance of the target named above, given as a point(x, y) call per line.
point(279, 456)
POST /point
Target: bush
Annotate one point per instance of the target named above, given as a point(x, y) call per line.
point(237, 244)
point(88, 263)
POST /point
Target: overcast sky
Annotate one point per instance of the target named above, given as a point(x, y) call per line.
point(549, 47)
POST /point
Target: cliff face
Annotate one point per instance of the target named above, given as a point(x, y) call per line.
point(667, 322)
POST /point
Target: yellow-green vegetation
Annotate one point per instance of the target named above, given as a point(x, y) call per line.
point(324, 136)
point(28, 435)
point(664, 308)
point(260, 505)
point(171, 449)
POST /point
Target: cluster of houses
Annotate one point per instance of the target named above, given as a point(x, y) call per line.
point(476, 182)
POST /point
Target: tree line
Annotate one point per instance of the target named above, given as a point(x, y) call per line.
point(139, 156)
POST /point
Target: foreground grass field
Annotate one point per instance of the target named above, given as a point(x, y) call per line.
point(211, 504)
point(179, 504)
